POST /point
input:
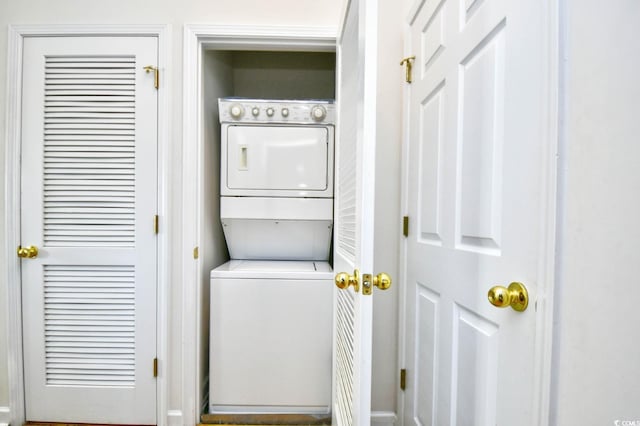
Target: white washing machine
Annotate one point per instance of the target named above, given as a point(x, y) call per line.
point(271, 337)
point(271, 306)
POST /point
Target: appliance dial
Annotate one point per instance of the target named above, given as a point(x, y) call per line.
point(285, 112)
point(318, 113)
point(236, 111)
point(270, 112)
point(255, 111)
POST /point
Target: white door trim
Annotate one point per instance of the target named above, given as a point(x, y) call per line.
point(16, 36)
point(196, 39)
point(544, 304)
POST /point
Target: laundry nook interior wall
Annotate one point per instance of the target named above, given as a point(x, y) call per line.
point(254, 74)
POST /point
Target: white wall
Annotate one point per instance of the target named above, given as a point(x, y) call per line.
point(596, 341)
point(387, 204)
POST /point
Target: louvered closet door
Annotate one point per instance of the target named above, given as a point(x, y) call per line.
point(89, 194)
point(354, 212)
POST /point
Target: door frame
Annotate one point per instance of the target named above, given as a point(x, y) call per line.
point(197, 38)
point(17, 35)
point(547, 267)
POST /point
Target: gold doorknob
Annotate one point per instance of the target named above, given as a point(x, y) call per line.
point(344, 280)
point(382, 281)
point(28, 252)
point(516, 296)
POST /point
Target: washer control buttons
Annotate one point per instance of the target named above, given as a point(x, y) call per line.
point(270, 112)
point(255, 111)
point(285, 112)
point(236, 111)
point(318, 113)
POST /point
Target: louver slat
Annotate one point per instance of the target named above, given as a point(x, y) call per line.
point(345, 337)
point(89, 325)
point(89, 142)
point(347, 187)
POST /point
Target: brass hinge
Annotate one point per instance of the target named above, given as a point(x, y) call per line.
point(156, 224)
point(403, 379)
point(405, 226)
point(156, 75)
point(196, 252)
point(408, 63)
point(155, 367)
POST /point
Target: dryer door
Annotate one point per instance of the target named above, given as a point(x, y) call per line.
point(277, 161)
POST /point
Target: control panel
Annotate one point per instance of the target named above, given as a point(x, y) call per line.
point(276, 111)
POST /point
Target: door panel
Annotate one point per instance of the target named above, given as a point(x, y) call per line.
point(89, 194)
point(475, 165)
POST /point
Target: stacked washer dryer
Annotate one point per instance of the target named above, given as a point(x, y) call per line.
point(271, 305)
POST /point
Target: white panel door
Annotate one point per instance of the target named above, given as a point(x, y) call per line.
point(89, 195)
point(354, 203)
point(476, 193)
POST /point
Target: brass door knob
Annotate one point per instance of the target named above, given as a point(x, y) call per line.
point(344, 280)
point(382, 281)
point(29, 252)
point(516, 296)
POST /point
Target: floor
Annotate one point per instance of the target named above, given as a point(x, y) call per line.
point(201, 424)
point(265, 419)
point(235, 420)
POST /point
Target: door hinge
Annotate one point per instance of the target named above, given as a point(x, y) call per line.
point(156, 75)
point(405, 226)
point(155, 367)
point(408, 63)
point(156, 224)
point(196, 252)
point(403, 379)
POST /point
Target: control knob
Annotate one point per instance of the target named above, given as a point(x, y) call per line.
point(270, 112)
point(255, 111)
point(236, 111)
point(318, 113)
point(285, 112)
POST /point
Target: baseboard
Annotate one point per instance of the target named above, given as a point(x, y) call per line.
point(174, 418)
point(383, 418)
point(5, 416)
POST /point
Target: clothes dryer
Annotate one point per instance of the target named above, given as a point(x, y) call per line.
point(277, 178)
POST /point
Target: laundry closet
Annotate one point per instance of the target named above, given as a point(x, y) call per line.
point(267, 192)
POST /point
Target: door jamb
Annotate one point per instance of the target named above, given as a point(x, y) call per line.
point(545, 298)
point(198, 38)
point(16, 36)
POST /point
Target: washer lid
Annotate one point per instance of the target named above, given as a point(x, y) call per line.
point(278, 269)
